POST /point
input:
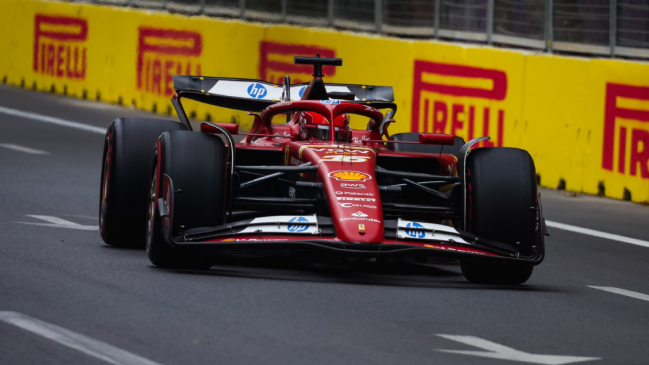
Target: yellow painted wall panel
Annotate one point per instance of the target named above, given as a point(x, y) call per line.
point(555, 103)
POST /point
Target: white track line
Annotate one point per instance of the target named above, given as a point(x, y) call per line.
point(600, 234)
point(497, 351)
point(24, 149)
point(627, 293)
point(87, 345)
point(59, 223)
point(52, 120)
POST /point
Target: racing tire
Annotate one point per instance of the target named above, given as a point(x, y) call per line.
point(501, 201)
point(189, 173)
point(128, 150)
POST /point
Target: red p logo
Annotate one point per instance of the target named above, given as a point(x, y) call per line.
point(639, 148)
point(442, 117)
point(161, 53)
point(58, 46)
point(276, 61)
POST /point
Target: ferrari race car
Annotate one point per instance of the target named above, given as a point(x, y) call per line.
point(311, 187)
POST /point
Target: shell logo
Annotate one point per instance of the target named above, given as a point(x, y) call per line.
point(350, 176)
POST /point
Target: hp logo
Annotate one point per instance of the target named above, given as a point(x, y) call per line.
point(296, 226)
point(415, 233)
point(257, 91)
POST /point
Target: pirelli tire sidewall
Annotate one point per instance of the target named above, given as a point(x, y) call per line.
point(191, 179)
point(502, 205)
point(128, 151)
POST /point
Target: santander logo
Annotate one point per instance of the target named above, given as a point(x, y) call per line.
point(359, 214)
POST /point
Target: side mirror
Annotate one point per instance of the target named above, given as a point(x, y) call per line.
point(438, 139)
point(232, 128)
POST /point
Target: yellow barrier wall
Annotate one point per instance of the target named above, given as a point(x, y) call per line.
point(585, 121)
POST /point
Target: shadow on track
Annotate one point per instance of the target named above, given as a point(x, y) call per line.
point(125, 249)
point(438, 275)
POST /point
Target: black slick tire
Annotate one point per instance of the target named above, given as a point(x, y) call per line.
point(189, 174)
point(128, 150)
point(501, 201)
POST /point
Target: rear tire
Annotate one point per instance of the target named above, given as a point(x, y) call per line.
point(128, 150)
point(501, 197)
point(189, 173)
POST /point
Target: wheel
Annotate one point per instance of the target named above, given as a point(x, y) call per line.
point(426, 148)
point(501, 206)
point(128, 150)
point(189, 174)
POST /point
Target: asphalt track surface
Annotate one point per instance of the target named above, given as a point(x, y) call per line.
point(269, 312)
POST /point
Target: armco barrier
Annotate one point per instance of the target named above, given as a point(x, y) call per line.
point(585, 121)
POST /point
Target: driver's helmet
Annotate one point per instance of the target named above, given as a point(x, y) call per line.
point(314, 126)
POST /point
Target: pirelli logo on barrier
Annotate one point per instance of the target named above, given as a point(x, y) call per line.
point(449, 98)
point(276, 61)
point(60, 46)
point(626, 125)
point(162, 53)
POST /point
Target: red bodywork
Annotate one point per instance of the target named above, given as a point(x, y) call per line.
point(346, 170)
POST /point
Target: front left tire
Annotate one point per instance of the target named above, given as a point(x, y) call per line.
point(189, 175)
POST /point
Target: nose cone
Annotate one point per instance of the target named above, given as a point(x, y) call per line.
point(347, 174)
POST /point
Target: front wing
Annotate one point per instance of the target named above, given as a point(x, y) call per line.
point(403, 238)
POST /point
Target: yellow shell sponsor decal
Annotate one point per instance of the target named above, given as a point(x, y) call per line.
point(350, 176)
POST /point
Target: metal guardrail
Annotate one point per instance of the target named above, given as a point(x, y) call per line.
point(615, 28)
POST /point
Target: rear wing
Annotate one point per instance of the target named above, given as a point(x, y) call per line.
point(255, 95)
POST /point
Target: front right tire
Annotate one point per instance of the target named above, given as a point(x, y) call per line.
point(502, 205)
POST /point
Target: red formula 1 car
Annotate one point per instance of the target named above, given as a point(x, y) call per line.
point(312, 187)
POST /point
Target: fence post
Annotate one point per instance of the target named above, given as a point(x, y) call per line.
point(613, 27)
point(242, 9)
point(202, 5)
point(330, 14)
point(284, 5)
point(438, 6)
point(378, 15)
point(549, 34)
point(490, 20)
